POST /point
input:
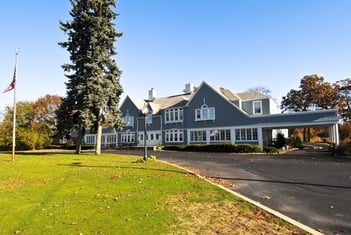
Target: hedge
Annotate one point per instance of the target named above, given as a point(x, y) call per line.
point(220, 147)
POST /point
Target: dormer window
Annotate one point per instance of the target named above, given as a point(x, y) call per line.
point(257, 107)
point(205, 113)
point(129, 120)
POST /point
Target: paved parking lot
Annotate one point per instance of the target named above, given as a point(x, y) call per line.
point(312, 187)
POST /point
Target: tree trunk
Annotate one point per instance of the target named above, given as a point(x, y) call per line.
point(99, 134)
point(79, 141)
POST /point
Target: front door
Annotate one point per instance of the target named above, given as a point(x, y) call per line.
point(153, 138)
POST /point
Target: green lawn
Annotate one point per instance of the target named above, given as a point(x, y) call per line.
point(111, 194)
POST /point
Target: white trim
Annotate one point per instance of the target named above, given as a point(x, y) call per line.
point(254, 108)
point(128, 137)
point(172, 133)
point(232, 130)
point(129, 120)
point(174, 113)
point(205, 113)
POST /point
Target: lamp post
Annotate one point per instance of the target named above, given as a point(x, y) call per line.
point(145, 111)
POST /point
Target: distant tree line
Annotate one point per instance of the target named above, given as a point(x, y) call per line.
point(35, 124)
point(317, 94)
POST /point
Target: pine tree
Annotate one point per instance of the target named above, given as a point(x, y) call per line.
point(93, 88)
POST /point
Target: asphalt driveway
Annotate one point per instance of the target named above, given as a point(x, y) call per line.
point(309, 186)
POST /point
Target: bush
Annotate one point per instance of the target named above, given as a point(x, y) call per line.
point(280, 141)
point(70, 143)
point(270, 149)
point(152, 158)
point(295, 141)
point(248, 148)
point(218, 147)
point(159, 147)
point(344, 148)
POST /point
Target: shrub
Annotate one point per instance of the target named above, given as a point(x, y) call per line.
point(152, 158)
point(217, 147)
point(270, 149)
point(247, 148)
point(295, 141)
point(344, 148)
point(70, 143)
point(280, 141)
point(140, 160)
point(159, 147)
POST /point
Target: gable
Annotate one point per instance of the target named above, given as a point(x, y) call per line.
point(131, 105)
point(226, 113)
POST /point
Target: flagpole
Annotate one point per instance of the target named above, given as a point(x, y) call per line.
point(14, 111)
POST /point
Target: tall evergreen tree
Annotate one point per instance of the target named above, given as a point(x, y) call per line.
point(93, 87)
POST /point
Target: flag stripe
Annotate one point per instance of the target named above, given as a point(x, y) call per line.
point(13, 83)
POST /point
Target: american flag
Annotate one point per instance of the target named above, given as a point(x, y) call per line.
point(13, 83)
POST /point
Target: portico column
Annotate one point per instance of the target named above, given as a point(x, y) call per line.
point(208, 136)
point(331, 133)
point(260, 136)
point(188, 137)
point(336, 134)
point(232, 135)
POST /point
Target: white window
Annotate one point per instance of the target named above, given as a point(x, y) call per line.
point(63, 140)
point(90, 139)
point(220, 135)
point(111, 139)
point(205, 113)
point(127, 137)
point(246, 134)
point(257, 107)
point(254, 134)
point(198, 136)
point(174, 136)
point(129, 120)
point(174, 115)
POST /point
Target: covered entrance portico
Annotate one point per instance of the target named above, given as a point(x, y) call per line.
point(323, 118)
point(268, 133)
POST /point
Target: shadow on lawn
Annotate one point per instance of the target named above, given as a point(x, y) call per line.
point(40, 153)
point(79, 164)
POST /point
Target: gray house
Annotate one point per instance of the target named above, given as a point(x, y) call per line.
point(207, 114)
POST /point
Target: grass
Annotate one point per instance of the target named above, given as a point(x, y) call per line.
point(111, 194)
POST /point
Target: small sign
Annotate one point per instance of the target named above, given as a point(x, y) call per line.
point(149, 118)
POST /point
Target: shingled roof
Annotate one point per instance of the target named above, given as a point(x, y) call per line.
point(162, 103)
point(252, 95)
point(166, 102)
point(229, 94)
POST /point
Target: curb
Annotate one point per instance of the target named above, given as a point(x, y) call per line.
point(255, 203)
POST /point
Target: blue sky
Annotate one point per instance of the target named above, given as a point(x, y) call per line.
point(236, 44)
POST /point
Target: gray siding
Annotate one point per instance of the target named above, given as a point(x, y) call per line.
point(247, 106)
point(227, 114)
point(129, 107)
